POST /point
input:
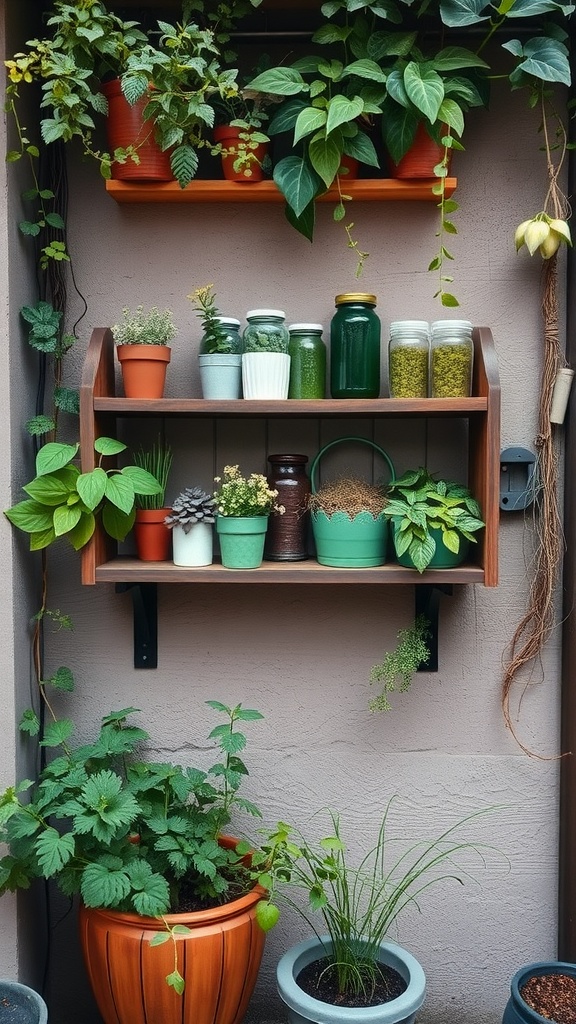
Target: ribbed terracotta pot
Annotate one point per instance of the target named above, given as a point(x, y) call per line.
point(421, 159)
point(219, 962)
point(126, 127)
point(153, 538)
point(144, 369)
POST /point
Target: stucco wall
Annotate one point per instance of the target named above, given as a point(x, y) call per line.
point(301, 655)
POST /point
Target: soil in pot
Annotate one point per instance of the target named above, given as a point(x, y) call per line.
point(553, 996)
point(320, 982)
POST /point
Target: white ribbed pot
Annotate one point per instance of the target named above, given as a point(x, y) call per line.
point(220, 375)
point(265, 374)
point(304, 1009)
point(194, 547)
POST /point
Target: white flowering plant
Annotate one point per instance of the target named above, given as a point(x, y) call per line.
point(245, 496)
point(150, 327)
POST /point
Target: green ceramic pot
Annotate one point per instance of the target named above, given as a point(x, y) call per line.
point(442, 558)
point(242, 540)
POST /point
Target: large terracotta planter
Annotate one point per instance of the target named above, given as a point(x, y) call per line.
point(144, 369)
point(125, 127)
point(219, 962)
point(153, 539)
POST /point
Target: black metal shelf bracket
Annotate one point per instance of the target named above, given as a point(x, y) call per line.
point(145, 618)
point(427, 602)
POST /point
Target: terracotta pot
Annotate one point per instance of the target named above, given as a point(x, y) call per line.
point(351, 166)
point(125, 127)
point(219, 962)
point(228, 137)
point(152, 536)
point(144, 369)
point(421, 159)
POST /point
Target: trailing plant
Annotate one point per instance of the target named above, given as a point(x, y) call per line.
point(418, 504)
point(358, 903)
point(64, 502)
point(215, 335)
point(410, 652)
point(192, 506)
point(133, 835)
point(238, 495)
point(140, 327)
point(157, 461)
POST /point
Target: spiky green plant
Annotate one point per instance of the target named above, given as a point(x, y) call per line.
point(156, 460)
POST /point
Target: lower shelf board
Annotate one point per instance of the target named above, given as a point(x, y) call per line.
point(131, 570)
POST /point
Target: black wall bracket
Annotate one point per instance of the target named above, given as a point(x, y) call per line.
point(145, 617)
point(427, 602)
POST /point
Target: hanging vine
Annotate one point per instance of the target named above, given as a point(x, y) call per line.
point(543, 233)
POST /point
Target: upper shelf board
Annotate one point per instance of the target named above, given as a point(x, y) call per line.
point(207, 191)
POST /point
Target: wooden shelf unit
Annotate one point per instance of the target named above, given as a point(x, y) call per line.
point(99, 409)
point(207, 191)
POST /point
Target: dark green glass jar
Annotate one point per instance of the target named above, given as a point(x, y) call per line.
point(307, 361)
point(355, 347)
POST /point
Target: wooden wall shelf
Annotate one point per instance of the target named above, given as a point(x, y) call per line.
point(362, 189)
point(99, 409)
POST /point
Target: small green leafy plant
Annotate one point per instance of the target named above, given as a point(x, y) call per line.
point(64, 502)
point(358, 903)
point(124, 832)
point(238, 495)
point(418, 504)
point(144, 327)
point(215, 338)
point(410, 652)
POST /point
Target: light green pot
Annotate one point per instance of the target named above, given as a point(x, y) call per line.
point(242, 540)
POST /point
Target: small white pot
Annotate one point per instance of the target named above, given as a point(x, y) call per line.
point(194, 547)
point(220, 375)
point(265, 374)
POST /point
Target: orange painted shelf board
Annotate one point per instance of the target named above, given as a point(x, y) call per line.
point(363, 189)
point(293, 407)
point(120, 570)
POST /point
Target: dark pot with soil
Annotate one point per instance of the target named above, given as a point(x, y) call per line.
point(542, 992)
point(21, 1005)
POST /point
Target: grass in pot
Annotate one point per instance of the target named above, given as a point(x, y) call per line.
point(150, 531)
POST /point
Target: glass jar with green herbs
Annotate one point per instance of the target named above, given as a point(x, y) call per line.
point(408, 352)
point(266, 331)
point(307, 361)
point(451, 359)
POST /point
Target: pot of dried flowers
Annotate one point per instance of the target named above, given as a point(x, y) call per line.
point(347, 515)
point(244, 505)
point(191, 519)
point(542, 992)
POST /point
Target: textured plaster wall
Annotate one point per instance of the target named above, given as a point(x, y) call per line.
point(303, 655)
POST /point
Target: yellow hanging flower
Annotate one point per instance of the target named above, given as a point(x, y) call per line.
point(542, 233)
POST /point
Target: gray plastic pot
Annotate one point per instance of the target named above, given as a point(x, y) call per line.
point(303, 1009)
point(21, 1005)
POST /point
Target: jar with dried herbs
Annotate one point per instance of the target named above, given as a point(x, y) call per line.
point(408, 352)
point(451, 359)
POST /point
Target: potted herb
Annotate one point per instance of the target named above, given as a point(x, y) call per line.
point(220, 353)
point(347, 514)
point(350, 973)
point(64, 502)
point(242, 144)
point(410, 652)
point(243, 505)
point(150, 532)
point(433, 521)
point(191, 518)
point(143, 845)
point(143, 352)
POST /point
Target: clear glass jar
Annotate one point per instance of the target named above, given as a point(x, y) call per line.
point(408, 352)
point(231, 344)
point(355, 347)
point(266, 331)
point(307, 361)
point(451, 359)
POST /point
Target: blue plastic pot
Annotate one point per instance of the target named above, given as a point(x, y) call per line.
point(21, 1005)
point(517, 1011)
point(304, 1009)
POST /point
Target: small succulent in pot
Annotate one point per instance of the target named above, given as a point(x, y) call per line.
point(150, 327)
point(192, 506)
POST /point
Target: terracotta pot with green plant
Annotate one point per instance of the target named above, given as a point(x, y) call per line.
point(433, 521)
point(168, 905)
point(143, 351)
point(191, 518)
point(350, 973)
point(150, 531)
